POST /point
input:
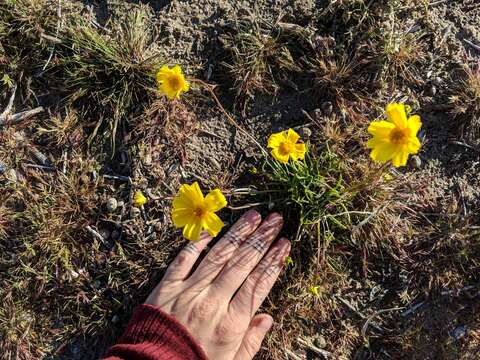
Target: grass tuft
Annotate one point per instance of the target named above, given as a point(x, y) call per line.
point(464, 100)
point(109, 72)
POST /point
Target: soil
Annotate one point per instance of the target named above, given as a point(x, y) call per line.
point(217, 153)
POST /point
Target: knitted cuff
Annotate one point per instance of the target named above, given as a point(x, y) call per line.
point(155, 335)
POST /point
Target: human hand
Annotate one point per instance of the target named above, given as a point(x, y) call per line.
point(218, 301)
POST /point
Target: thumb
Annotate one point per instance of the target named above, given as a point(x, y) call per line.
point(252, 341)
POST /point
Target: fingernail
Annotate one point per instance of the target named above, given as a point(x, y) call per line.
point(251, 216)
point(266, 323)
point(274, 218)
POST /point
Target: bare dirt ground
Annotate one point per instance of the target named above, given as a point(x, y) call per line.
point(401, 283)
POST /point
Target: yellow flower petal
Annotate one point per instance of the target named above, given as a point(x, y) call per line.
point(396, 114)
point(171, 81)
point(299, 152)
point(139, 199)
point(414, 124)
point(213, 224)
point(192, 193)
point(383, 151)
point(292, 136)
point(414, 145)
point(177, 69)
point(182, 217)
point(400, 159)
point(277, 155)
point(192, 230)
point(381, 128)
point(215, 200)
point(276, 139)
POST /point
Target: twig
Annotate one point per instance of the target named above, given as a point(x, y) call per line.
point(43, 167)
point(413, 309)
point(475, 46)
point(438, 2)
point(457, 292)
point(247, 206)
point(118, 177)
point(229, 117)
point(16, 118)
point(9, 107)
point(312, 347)
point(371, 317)
point(59, 22)
point(292, 355)
point(94, 233)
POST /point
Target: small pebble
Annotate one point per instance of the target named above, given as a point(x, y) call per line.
point(11, 175)
point(112, 204)
point(317, 113)
point(115, 319)
point(416, 162)
point(147, 160)
point(115, 235)
point(327, 108)
point(3, 168)
point(135, 212)
point(459, 332)
point(305, 133)
point(432, 90)
point(437, 80)
point(319, 341)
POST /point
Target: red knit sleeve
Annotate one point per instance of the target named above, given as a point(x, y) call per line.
point(154, 335)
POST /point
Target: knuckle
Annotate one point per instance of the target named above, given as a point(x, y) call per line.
point(203, 310)
point(217, 257)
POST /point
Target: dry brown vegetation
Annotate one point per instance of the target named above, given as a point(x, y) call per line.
point(393, 253)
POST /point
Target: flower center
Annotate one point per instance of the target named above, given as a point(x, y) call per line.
point(199, 212)
point(286, 148)
point(175, 81)
point(399, 136)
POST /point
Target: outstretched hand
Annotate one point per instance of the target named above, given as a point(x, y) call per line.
point(218, 301)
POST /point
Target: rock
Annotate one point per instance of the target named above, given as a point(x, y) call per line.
point(147, 160)
point(135, 212)
point(115, 235)
point(327, 108)
point(112, 204)
point(416, 161)
point(319, 341)
point(317, 113)
point(11, 175)
point(459, 332)
point(305, 133)
point(431, 90)
point(3, 168)
point(115, 319)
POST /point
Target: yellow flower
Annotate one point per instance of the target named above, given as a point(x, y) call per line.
point(289, 261)
point(395, 138)
point(171, 81)
point(195, 213)
point(139, 199)
point(285, 145)
point(314, 290)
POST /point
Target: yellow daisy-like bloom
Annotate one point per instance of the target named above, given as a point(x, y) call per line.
point(285, 145)
point(171, 81)
point(195, 213)
point(139, 199)
point(395, 138)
